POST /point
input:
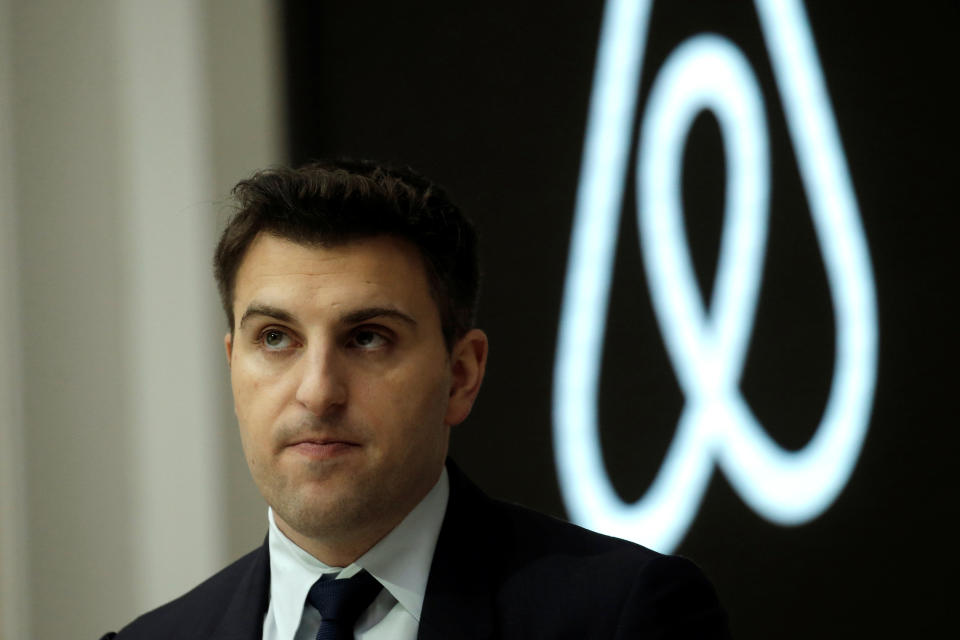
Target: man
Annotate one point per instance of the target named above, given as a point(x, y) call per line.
point(350, 292)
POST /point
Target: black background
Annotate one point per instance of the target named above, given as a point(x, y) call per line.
point(490, 99)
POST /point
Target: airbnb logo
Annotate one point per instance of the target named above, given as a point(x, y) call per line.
point(708, 349)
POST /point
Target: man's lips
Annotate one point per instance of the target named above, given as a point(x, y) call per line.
point(322, 448)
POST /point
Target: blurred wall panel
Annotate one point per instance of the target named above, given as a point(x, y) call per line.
point(76, 412)
point(13, 530)
point(123, 123)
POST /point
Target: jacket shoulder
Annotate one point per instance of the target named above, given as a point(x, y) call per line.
point(613, 587)
point(203, 610)
point(556, 550)
point(550, 578)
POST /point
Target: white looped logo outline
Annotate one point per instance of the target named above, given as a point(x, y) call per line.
point(708, 350)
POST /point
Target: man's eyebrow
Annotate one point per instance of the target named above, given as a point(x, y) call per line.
point(265, 310)
point(362, 315)
point(354, 317)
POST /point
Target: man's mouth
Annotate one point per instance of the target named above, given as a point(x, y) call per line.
point(323, 448)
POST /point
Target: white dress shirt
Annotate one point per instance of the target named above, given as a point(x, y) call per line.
point(400, 562)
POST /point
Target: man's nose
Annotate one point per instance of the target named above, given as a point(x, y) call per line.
point(323, 381)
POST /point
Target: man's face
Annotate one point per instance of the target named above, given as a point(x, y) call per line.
point(343, 387)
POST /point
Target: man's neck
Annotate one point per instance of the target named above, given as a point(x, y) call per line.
point(336, 552)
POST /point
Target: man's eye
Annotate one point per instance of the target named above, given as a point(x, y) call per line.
point(368, 339)
point(275, 340)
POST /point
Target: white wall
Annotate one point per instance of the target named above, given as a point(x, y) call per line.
point(122, 126)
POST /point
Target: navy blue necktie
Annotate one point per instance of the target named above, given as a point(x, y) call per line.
point(340, 603)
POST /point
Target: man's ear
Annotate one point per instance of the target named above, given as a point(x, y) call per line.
point(468, 361)
point(228, 345)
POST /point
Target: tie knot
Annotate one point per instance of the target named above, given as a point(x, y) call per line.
point(340, 602)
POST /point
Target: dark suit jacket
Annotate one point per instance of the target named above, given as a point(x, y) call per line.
point(499, 571)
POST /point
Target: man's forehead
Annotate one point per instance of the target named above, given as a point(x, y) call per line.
point(271, 257)
point(273, 248)
point(371, 272)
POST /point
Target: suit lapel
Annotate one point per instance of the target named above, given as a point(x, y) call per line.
point(459, 601)
point(243, 616)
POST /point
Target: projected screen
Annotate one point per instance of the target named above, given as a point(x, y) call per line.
point(717, 273)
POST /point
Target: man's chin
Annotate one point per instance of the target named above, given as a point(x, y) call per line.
point(322, 513)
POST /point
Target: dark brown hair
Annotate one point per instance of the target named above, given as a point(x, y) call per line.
point(332, 202)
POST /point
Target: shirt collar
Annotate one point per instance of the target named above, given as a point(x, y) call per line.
point(400, 561)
